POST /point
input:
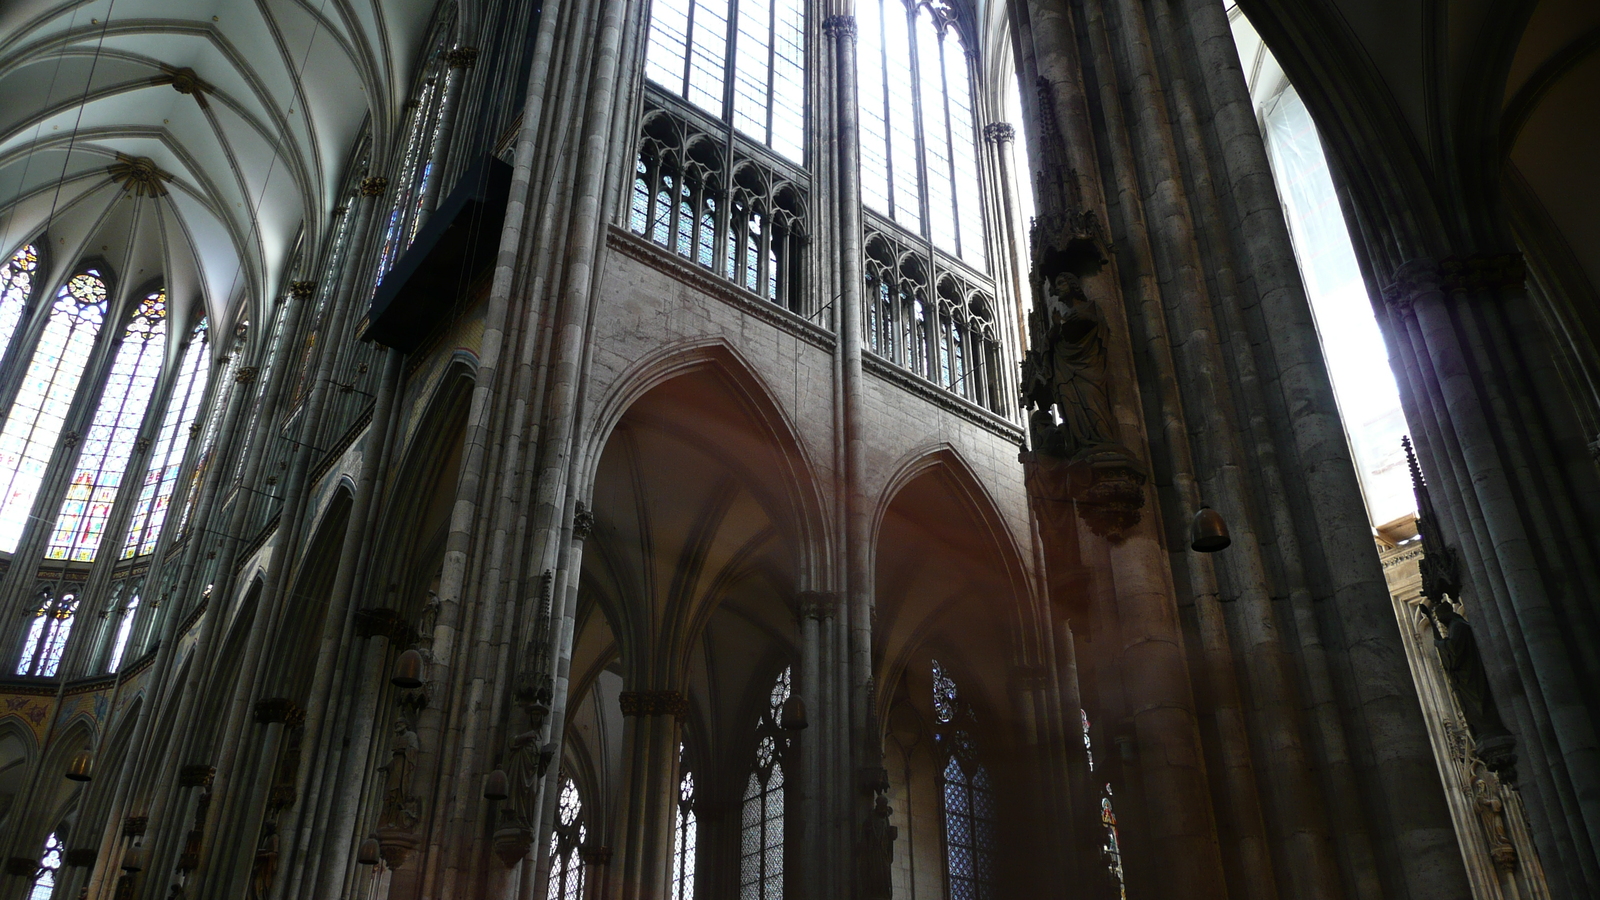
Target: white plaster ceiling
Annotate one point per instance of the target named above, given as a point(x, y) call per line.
point(255, 153)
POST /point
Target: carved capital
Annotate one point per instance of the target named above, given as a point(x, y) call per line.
point(196, 775)
point(134, 826)
point(273, 709)
point(654, 703)
point(1417, 278)
point(80, 857)
point(840, 26)
point(999, 133)
point(71, 438)
point(246, 374)
point(1070, 241)
point(818, 604)
point(374, 186)
point(302, 290)
point(461, 57)
point(142, 444)
point(595, 856)
point(387, 622)
point(22, 866)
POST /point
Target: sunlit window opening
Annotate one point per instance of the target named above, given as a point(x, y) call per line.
point(566, 842)
point(761, 826)
point(124, 631)
point(44, 883)
point(918, 131)
point(108, 447)
point(752, 75)
point(416, 169)
point(47, 634)
point(1358, 360)
point(969, 813)
point(155, 495)
point(39, 413)
point(16, 286)
point(684, 839)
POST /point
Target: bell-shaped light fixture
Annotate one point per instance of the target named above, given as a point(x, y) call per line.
point(369, 854)
point(1209, 533)
point(133, 859)
point(497, 786)
point(81, 767)
point(408, 670)
point(793, 715)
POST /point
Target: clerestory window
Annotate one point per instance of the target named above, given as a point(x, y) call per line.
point(161, 478)
point(16, 288)
point(48, 631)
point(108, 446)
point(38, 415)
point(919, 136)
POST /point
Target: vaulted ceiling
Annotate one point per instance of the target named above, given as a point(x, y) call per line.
point(188, 142)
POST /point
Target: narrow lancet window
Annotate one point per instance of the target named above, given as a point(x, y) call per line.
point(566, 844)
point(969, 805)
point(684, 839)
point(38, 415)
point(124, 632)
point(44, 881)
point(16, 287)
point(761, 827)
point(109, 445)
point(48, 631)
point(155, 495)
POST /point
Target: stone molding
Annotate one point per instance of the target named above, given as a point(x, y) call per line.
point(999, 133)
point(840, 26)
point(654, 703)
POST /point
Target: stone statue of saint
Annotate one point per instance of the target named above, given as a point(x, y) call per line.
point(1491, 812)
point(877, 852)
point(399, 810)
point(265, 867)
point(1463, 664)
point(523, 771)
point(1067, 369)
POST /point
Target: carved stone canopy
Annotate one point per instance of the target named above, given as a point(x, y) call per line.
point(1070, 241)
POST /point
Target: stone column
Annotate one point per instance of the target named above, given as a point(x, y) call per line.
point(642, 869)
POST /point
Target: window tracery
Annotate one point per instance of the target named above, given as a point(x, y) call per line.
point(44, 883)
point(685, 837)
point(947, 336)
point(16, 288)
point(47, 633)
point(155, 495)
point(762, 823)
point(1112, 848)
point(747, 222)
point(38, 414)
point(108, 447)
point(969, 803)
point(416, 169)
point(919, 137)
point(751, 76)
point(566, 842)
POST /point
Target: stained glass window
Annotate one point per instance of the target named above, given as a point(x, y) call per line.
point(16, 286)
point(1112, 848)
point(44, 883)
point(155, 495)
point(39, 413)
point(969, 804)
point(566, 842)
point(411, 182)
point(752, 74)
point(47, 634)
point(684, 839)
point(761, 826)
point(108, 447)
point(124, 631)
point(919, 134)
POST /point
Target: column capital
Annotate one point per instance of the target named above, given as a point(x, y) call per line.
point(999, 133)
point(582, 522)
point(1453, 274)
point(461, 57)
point(134, 826)
point(274, 709)
point(374, 186)
point(196, 775)
point(246, 374)
point(302, 290)
point(840, 26)
point(654, 703)
point(818, 604)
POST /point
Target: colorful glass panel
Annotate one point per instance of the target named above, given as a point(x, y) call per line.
point(761, 823)
point(566, 842)
point(48, 631)
point(109, 445)
point(155, 495)
point(39, 413)
point(44, 883)
point(684, 839)
point(16, 286)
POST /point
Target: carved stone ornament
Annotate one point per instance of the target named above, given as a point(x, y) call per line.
point(511, 844)
point(70, 438)
point(461, 57)
point(875, 851)
point(185, 81)
point(654, 703)
point(374, 186)
point(139, 176)
point(999, 133)
point(134, 826)
point(22, 866)
point(273, 709)
point(840, 26)
point(246, 374)
point(1453, 274)
point(81, 857)
point(595, 856)
point(582, 522)
point(818, 604)
point(302, 290)
point(196, 775)
point(387, 622)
